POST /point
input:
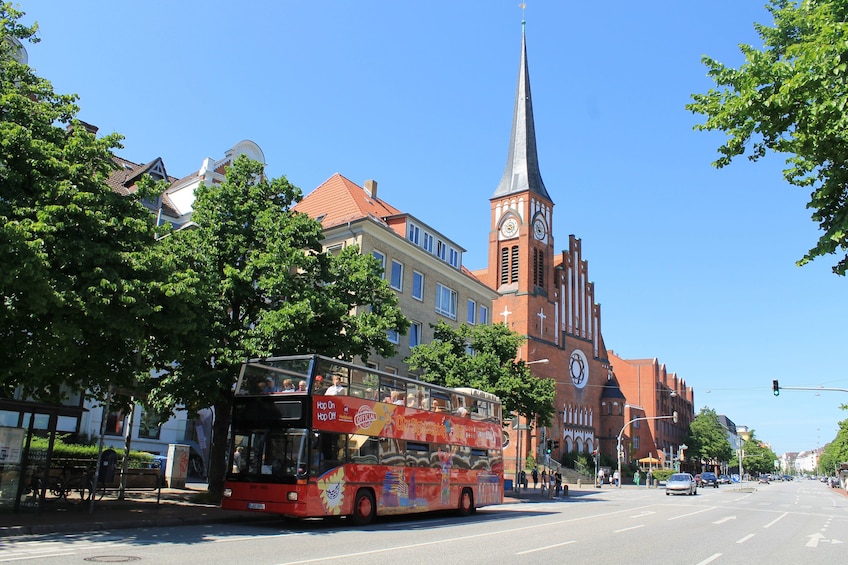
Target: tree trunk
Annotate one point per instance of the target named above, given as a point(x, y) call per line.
point(219, 450)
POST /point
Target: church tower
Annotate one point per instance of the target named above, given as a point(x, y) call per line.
point(520, 240)
point(549, 299)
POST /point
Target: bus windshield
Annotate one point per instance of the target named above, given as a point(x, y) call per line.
point(279, 454)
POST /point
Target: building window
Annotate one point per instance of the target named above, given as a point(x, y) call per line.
point(441, 250)
point(415, 334)
point(446, 301)
point(472, 312)
point(115, 422)
point(504, 265)
point(635, 443)
point(484, 315)
point(397, 275)
point(148, 425)
point(391, 370)
point(394, 337)
point(417, 285)
point(382, 259)
point(428, 242)
point(412, 233)
point(453, 257)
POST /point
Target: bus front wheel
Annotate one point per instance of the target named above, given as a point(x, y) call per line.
point(466, 502)
point(364, 508)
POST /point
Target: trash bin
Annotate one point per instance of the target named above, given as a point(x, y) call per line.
point(108, 466)
point(507, 485)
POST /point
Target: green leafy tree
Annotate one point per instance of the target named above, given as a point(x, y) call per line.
point(492, 367)
point(836, 452)
point(77, 296)
point(790, 97)
point(758, 457)
point(708, 439)
point(260, 285)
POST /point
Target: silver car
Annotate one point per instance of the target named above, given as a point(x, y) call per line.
point(681, 483)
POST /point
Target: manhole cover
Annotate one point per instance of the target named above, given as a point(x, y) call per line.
point(112, 558)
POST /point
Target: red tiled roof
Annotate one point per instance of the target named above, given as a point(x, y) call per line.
point(338, 200)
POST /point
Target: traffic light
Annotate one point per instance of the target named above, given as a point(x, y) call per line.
point(549, 446)
point(775, 387)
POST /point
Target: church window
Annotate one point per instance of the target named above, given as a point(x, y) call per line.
point(504, 265)
point(539, 268)
point(513, 274)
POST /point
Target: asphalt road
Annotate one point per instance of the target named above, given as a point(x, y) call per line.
point(781, 523)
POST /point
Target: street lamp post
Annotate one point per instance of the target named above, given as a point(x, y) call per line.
point(624, 427)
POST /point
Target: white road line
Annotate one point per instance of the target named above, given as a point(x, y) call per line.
point(39, 556)
point(630, 528)
point(692, 513)
point(776, 520)
point(746, 538)
point(709, 559)
point(546, 547)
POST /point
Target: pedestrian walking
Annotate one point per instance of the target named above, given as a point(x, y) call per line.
point(544, 481)
point(600, 478)
point(535, 475)
point(616, 477)
point(522, 478)
point(636, 477)
point(558, 483)
point(551, 484)
point(650, 476)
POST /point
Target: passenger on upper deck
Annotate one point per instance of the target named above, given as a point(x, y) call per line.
point(336, 388)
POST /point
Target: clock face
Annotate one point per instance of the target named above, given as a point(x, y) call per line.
point(509, 227)
point(539, 228)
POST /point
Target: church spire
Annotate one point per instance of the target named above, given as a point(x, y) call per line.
point(522, 163)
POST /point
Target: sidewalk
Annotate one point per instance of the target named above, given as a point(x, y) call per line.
point(177, 507)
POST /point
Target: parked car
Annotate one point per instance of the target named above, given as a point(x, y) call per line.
point(764, 479)
point(681, 483)
point(724, 479)
point(708, 479)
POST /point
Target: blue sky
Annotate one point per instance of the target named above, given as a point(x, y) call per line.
point(692, 265)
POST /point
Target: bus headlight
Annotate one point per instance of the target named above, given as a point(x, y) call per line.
point(228, 492)
point(291, 496)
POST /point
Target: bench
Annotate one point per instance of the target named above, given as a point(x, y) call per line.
point(137, 480)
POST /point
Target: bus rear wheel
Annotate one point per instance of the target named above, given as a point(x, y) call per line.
point(364, 508)
point(466, 502)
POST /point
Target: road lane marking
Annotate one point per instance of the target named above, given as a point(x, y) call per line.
point(725, 519)
point(776, 520)
point(692, 513)
point(709, 559)
point(643, 514)
point(40, 556)
point(746, 538)
point(455, 539)
point(546, 547)
point(630, 528)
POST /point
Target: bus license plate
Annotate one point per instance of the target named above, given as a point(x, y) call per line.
point(256, 506)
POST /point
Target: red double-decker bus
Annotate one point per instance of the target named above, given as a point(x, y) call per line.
point(315, 437)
